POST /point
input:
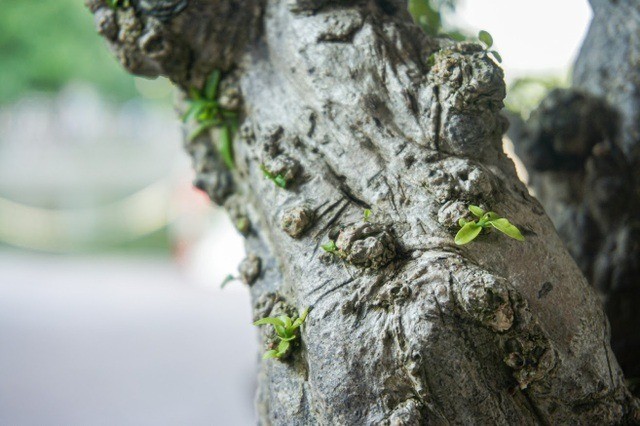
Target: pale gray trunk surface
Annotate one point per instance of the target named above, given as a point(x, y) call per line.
point(341, 100)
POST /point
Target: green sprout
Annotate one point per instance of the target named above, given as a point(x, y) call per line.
point(278, 179)
point(486, 39)
point(114, 4)
point(286, 329)
point(330, 247)
point(205, 109)
point(367, 215)
point(471, 229)
point(227, 280)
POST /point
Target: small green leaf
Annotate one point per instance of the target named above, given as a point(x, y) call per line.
point(485, 38)
point(367, 214)
point(304, 314)
point(283, 347)
point(286, 320)
point(227, 280)
point(194, 109)
point(266, 172)
point(211, 88)
point(271, 354)
point(462, 221)
point(229, 114)
point(497, 56)
point(492, 216)
point(269, 320)
point(299, 321)
point(226, 147)
point(202, 127)
point(330, 247)
point(194, 94)
point(281, 331)
point(504, 226)
point(280, 181)
point(476, 211)
point(467, 233)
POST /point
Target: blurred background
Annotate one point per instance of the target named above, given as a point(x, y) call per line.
point(111, 310)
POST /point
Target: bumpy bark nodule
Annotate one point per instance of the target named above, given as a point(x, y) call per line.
point(582, 150)
point(344, 100)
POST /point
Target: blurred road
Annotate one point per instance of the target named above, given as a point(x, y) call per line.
point(121, 341)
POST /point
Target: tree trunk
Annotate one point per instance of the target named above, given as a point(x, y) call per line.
point(344, 104)
point(582, 150)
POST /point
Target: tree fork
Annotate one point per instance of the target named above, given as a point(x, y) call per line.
point(345, 102)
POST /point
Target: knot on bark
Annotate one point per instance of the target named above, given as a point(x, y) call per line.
point(456, 179)
point(143, 45)
point(366, 244)
point(249, 269)
point(485, 297)
point(470, 93)
point(340, 25)
point(491, 301)
point(274, 159)
point(287, 167)
point(295, 220)
point(180, 39)
point(106, 23)
point(237, 210)
point(212, 177)
point(468, 78)
point(406, 413)
point(530, 356)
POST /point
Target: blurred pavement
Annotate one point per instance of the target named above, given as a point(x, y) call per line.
point(121, 341)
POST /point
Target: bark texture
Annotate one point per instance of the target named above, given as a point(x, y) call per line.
point(344, 100)
point(582, 150)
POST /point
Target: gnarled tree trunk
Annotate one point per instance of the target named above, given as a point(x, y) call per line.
point(344, 102)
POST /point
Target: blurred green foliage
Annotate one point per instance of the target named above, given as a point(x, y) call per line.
point(46, 43)
point(429, 15)
point(524, 94)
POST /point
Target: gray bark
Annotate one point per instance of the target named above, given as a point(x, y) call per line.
point(339, 98)
point(582, 150)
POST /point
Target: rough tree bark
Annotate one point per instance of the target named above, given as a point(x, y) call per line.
point(582, 150)
point(345, 101)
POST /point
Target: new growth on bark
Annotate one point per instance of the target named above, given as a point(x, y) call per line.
point(341, 108)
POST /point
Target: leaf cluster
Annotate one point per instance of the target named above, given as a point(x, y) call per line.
point(278, 179)
point(486, 39)
point(205, 109)
point(286, 329)
point(471, 229)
